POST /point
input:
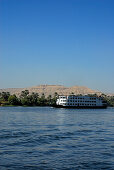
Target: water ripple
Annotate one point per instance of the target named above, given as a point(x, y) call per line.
point(52, 139)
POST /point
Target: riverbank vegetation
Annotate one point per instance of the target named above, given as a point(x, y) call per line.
point(33, 99)
point(27, 99)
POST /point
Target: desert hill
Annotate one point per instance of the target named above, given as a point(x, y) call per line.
point(51, 89)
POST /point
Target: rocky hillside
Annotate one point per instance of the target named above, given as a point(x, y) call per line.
point(51, 89)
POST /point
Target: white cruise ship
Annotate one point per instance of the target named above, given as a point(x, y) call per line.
point(86, 101)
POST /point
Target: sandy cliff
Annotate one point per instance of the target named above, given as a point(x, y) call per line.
point(51, 89)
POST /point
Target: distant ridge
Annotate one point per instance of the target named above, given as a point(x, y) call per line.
point(51, 89)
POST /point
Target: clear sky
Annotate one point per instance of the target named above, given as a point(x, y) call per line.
point(66, 42)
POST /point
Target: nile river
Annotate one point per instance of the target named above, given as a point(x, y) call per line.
point(34, 138)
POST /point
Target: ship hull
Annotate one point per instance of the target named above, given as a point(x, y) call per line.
point(80, 107)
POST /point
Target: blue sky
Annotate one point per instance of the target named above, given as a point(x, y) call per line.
point(67, 42)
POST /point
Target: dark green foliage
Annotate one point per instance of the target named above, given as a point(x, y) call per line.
point(112, 101)
point(27, 99)
point(42, 101)
point(24, 94)
point(4, 96)
point(33, 99)
point(93, 95)
point(54, 98)
point(49, 100)
point(13, 100)
point(109, 100)
point(25, 102)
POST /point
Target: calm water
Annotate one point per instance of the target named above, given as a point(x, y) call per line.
point(48, 138)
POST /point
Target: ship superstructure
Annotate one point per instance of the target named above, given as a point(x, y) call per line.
point(81, 101)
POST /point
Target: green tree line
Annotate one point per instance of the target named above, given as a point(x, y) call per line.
point(33, 99)
point(27, 99)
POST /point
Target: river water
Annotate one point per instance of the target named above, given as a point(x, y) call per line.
point(50, 138)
